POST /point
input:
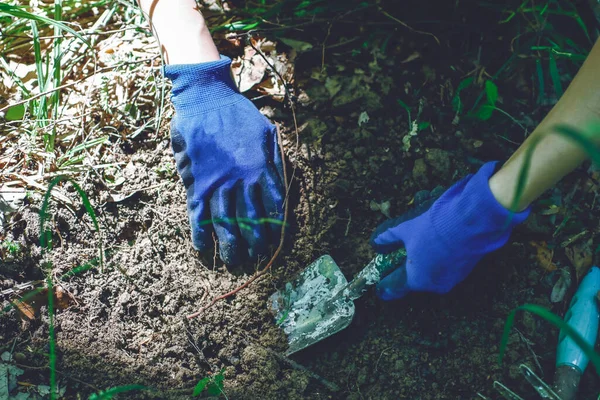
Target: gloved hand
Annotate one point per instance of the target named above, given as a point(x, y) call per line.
point(444, 243)
point(228, 157)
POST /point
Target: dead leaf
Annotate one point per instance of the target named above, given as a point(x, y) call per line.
point(29, 305)
point(581, 257)
point(26, 310)
point(544, 255)
point(553, 209)
point(561, 286)
point(273, 86)
point(62, 298)
point(333, 86)
point(410, 58)
point(297, 45)
point(255, 70)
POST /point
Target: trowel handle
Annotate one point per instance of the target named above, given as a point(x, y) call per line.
point(583, 316)
point(379, 266)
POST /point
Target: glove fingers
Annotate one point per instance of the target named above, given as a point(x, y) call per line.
point(182, 160)
point(250, 217)
point(201, 225)
point(222, 209)
point(394, 286)
point(273, 196)
point(387, 236)
point(276, 152)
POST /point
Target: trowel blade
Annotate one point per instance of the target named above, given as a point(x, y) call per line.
point(306, 310)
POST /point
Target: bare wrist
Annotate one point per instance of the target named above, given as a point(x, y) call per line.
point(503, 187)
point(181, 30)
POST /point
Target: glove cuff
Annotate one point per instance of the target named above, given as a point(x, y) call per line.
point(477, 211)
point(199, 88)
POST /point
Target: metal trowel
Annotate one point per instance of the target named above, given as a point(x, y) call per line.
point(320, 301)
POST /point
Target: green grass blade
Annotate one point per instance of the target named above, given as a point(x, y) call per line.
point(84, 146)
point(403, 105)
point(14, 76)
point(56, 71)
point(44, 215)
point(554, 320)
point(45, 243)
point(51, 334)
point(19, 12)
point(554, 75)
point(110, 393)
point(541, 82)
point(37, 51)
point(457, 104)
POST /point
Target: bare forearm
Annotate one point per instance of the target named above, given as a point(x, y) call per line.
point(554, 156)
point(181, 29)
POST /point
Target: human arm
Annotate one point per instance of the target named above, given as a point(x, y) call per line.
point(554, 155)
point(472, 218)
point(226, 151)
point(181, 30)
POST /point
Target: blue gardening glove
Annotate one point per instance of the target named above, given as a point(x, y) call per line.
point(229, 160)
point(444, 243)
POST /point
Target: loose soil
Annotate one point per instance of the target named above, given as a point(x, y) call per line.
point(126, 322)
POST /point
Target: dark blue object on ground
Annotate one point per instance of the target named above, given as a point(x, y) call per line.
point(444, 243)
point(228, 157)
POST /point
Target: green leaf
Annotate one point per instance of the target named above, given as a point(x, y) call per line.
point(465, 83)
point(303, 4)
point(216, 386)
point(491, 92)
point(242, 25)
point(287, 312)
point(297, 45)
point(423, 125)
point(484, 112)
point(457, 104)
point(108, 394)
point(15, 113)
point(403, 105)
point(250, 26)
point(201, 385)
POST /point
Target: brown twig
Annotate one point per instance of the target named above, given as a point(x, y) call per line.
point(323, 47)
point(287, 183)
point(404, 24)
